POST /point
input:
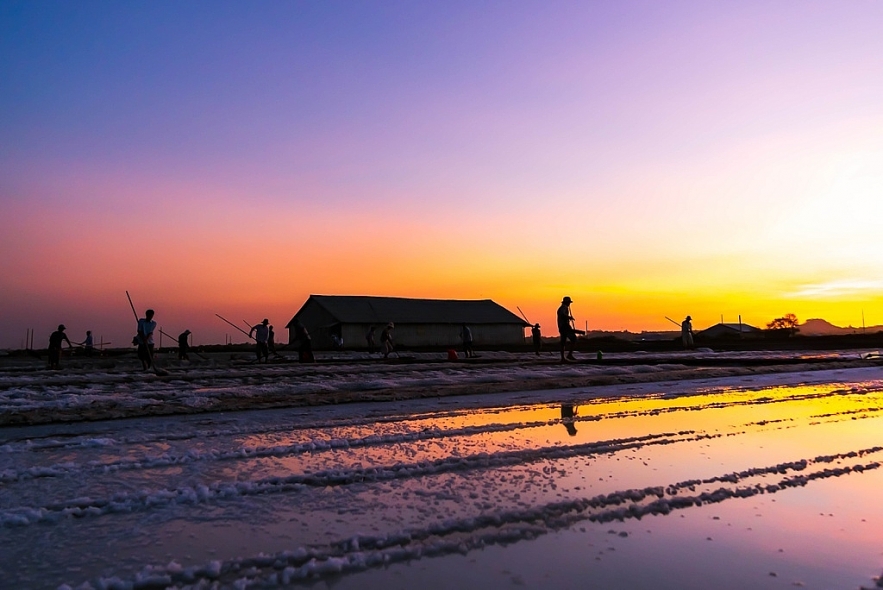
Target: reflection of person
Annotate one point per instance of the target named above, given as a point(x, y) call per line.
point(537, 338)
point(687, 333)
point(305, 343)
point(146, 326)
point(261, 336)
point(369, 339)
point(568, 413)
point(565, 329)
point(386, 339)
point(55, 340)
point(466, 337)
point(183, 345)
point(88, 344)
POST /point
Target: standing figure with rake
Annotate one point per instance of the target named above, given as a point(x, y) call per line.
point(566, 329)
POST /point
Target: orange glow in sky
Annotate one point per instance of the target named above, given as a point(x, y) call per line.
point(712, 161)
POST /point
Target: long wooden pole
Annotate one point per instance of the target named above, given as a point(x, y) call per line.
point(235, 326)
point(672, 321)
point(522, 315)
point(172, 338)
point(175, 340)
point(147, 348)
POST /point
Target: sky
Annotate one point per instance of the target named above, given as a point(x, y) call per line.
point(647, 159)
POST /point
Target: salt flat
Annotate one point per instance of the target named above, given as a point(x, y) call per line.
point(757, 479)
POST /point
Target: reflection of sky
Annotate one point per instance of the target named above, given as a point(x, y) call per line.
point(395, 468)
point(646, 160)
point(745, 535)
point(722, 432)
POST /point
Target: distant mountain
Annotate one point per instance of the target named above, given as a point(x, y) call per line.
point(820, 327)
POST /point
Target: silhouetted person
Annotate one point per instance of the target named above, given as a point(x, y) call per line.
point(386, 340)
point(568, 413)
point(55, 340)
point(369, 338)
point(565, 329)
point(337, 341)
point(466, 337)
point(88, 344)
point(261, 336)
point(146, 327)
point(304, 343)
point(183, 346)
point(687, 333)
point(537, 338)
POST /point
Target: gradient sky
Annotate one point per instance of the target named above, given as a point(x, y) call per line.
point(645, 158)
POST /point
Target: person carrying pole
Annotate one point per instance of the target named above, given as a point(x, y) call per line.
point(566, 329)
point(466, 337)
point(55, 340)
point(146, 327)
point(386, 340)
point(262, 336)
point(183, 345)
point(687, 333)
point(88, 344)
point(304, 343)
point(369, 339)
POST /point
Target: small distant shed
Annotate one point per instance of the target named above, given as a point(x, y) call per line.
point(723, 330)
point(418, 322)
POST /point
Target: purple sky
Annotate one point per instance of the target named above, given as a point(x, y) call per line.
point(648, 159)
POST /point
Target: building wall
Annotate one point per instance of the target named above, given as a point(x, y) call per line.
point(321, 324)
point(720, 331)
point(406, 335)
point(316, 320)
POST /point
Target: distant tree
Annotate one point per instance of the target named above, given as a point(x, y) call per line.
point(788, 323)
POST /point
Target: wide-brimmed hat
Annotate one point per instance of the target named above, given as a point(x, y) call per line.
point(266, 321)
point(567, 300)
point(61, 327)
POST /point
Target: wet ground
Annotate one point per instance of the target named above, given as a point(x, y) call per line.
point(762, 481)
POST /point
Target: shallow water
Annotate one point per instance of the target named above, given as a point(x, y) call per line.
point(760, 483)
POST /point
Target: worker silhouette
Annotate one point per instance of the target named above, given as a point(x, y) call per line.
point(183, 346)
point(261, 336)
point(386, 340)
point(304, 343)
point(687, 333)
point(466, 337)
point(55, 340)
point(88, 344)
point(369, 339)
point(146, 327)
point(566, 329)
point(537, 338)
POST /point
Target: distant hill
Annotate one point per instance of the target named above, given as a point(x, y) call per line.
point(820, 327)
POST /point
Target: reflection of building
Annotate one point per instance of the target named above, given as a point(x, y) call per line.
point(729, 331)
point(418, 322)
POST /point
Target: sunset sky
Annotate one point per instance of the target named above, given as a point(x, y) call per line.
point(648, 159)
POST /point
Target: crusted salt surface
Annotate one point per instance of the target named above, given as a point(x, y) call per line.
point(466, 478)
point(360, 552)
point(131, 392)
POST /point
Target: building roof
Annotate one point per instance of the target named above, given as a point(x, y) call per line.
point(361, 309)
point(729, 327)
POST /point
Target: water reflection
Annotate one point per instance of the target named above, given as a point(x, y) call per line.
point(568, 413)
